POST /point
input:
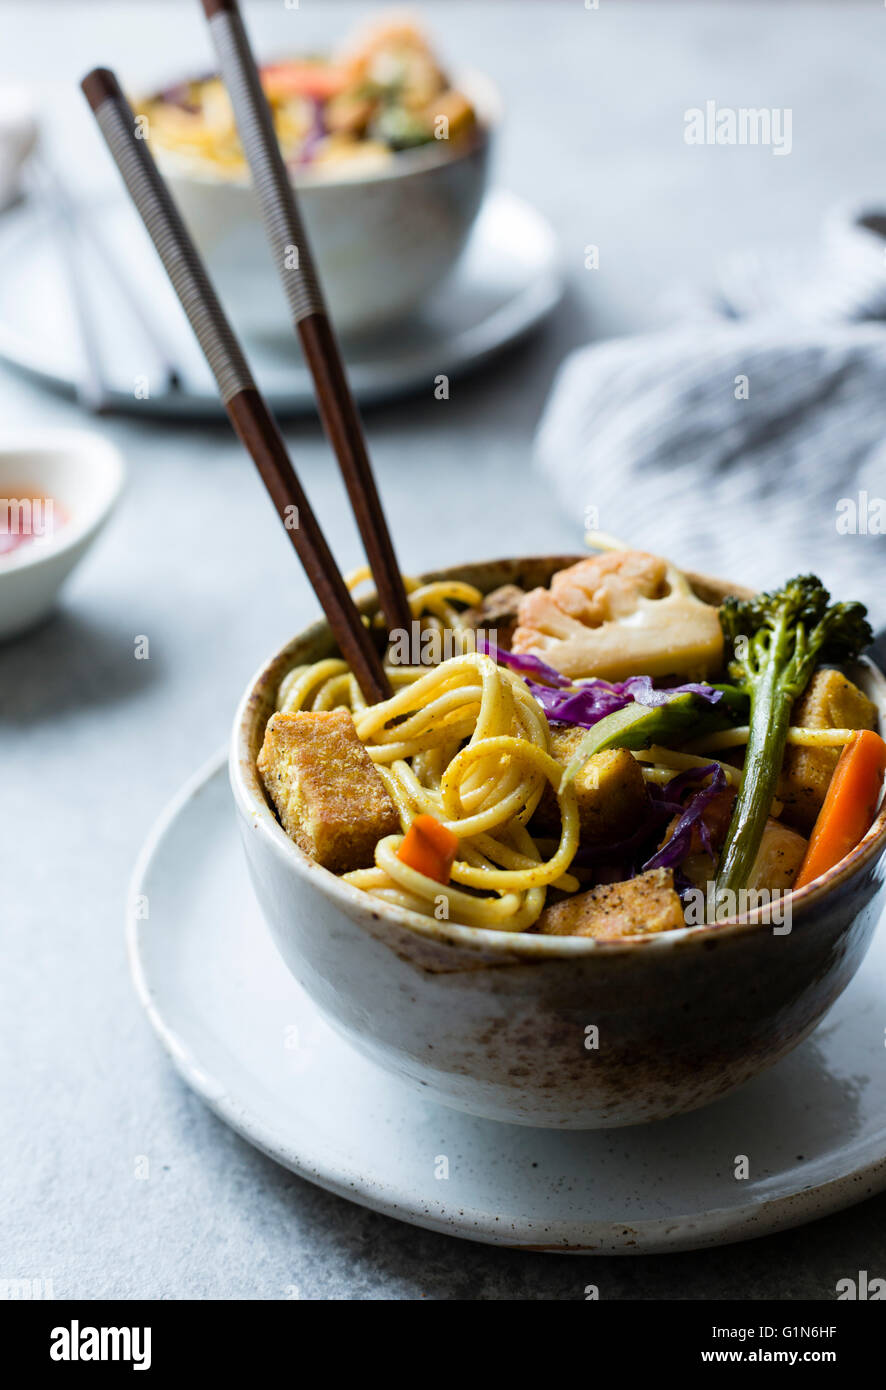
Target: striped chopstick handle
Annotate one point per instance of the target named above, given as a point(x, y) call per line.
point(285, 229)
point(168, 233)
point(292, 254)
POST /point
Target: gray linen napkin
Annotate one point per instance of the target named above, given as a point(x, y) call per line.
point(753, 448)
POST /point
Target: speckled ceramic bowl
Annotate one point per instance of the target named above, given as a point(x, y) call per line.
point(497, 1024)
point(383, 237)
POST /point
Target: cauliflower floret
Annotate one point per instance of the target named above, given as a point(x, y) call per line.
point(619, 614)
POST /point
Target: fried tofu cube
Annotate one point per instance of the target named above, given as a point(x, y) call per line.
point(779, 857)
point(777, 864)
point(612, 795)
point(328, 795)
point(830, 701)
point(635, 907)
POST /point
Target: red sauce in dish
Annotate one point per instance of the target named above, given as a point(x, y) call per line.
point(25, 517)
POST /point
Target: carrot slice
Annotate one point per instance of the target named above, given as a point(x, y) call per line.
point(429, 848)
point(849, 806)
point(318, 80)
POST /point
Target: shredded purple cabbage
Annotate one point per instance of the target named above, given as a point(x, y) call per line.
point(315, 134)
point(664, 803)
point(585, 704)
point(590, 701)
point(179, 93)
point(641, 689)
point(675, 849)
point(522, 663)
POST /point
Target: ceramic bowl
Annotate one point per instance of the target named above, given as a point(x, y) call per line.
point(83, 475)
point(383, 239)
point(498, 1025)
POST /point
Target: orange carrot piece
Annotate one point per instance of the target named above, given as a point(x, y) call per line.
point(319, 80)
point(849, 806)
point(430, 848)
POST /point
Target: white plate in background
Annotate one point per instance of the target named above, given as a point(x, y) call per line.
point(505, 284)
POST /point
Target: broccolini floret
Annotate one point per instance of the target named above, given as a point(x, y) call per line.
point(776, 641)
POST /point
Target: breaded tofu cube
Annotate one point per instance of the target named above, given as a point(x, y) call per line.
point(328, 795)
point(647, 903)
point(830, 701)
point(779, 857)
point(612, 795)
point(777, 864)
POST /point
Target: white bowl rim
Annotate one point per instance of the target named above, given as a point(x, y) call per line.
point(403, 164)
point(81, 444)
point(355, 902)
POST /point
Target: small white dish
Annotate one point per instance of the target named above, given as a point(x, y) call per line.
point(249, 1041)
point(505, 284)
point(82, 475)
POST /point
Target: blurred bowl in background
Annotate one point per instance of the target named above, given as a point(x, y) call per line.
point(57, 489)
point(384, 237)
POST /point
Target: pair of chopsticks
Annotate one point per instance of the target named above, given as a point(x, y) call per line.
point(246, 407)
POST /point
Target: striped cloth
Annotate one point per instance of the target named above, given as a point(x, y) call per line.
point(750, 442)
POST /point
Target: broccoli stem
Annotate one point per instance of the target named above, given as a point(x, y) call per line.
point(776, 640)
point(771, 701)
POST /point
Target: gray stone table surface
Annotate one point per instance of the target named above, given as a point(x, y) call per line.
point(94, 742)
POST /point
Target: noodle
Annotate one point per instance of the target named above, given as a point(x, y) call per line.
point(465, 742)
point(797, 736)
point(684, 762)
point(487, 790)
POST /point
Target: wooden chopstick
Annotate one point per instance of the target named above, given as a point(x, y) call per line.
point(245, 405)
point(295, 264)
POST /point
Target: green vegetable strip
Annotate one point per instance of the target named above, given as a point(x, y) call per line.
point(769, 722)
point(637, 726)
point(777, 640)
point(623, 728)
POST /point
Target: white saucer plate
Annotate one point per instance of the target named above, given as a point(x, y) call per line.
point(505, 284)
point(811, 1133)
